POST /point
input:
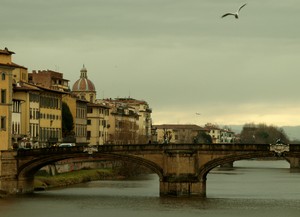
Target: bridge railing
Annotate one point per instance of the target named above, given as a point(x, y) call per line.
point(152, 147)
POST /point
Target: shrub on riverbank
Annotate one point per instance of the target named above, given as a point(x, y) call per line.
point(75, 177)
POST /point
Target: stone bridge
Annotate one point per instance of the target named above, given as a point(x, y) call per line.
point(182, 168)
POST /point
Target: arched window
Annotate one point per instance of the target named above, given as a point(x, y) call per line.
point(3, 76)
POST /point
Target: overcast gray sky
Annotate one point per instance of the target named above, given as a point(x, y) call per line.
point(179, 56)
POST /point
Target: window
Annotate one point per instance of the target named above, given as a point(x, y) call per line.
point(3, 76)
point(3, 95)
point(89, 122)
point(91, 98)
point(90, 110)
point(3, 123)
point(88, 135)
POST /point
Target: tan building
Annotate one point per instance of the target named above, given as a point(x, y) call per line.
point(219, 135)
point(124, 128)
point(78, 109)
point(97, 123)
point(137, 111)
point(49, 79)
point(214, 132)
point(177, 133)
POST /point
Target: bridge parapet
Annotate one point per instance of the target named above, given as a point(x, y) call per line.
point(154, 147)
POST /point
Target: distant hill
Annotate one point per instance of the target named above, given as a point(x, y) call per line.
point(293, 132)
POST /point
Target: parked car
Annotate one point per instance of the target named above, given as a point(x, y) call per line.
point(66, 145)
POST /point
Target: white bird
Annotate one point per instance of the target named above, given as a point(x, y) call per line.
point(236, 14)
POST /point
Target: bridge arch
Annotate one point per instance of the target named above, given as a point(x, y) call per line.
point(206, 168)
point(28, 169)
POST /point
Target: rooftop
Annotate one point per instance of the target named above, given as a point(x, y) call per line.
point(179, 126)
point(6, 51)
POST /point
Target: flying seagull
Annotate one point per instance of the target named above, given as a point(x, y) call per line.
point(236, 14)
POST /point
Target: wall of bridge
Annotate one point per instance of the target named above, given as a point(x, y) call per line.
point(182, 169)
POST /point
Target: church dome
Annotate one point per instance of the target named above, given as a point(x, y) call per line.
point(83, 84)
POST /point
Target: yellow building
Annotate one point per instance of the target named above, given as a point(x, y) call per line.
point(29, 97)
point(10, 114)
point(6, 83)
point(78, 109)
point(20, 74)
point(41, 118)
point(78, 106)
point(50, 115)
point(81, 122)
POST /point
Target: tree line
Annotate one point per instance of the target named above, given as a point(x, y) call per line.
point(262, 134)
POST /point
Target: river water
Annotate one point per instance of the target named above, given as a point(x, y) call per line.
point(251, 188)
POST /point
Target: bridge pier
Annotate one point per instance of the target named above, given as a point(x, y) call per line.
point(294, 162)
point(12, 185)
point(176, 186)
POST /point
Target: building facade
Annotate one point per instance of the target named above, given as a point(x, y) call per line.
point(131, 110)
point(28, 96)
point(97, 123)
point(6, 98)
point(220, 135)
point(227, 136)
point(178, 133)
point(49, 79)
point(124, 128)
point(78, 109)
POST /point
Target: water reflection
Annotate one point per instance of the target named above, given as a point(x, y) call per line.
point(254, 179)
